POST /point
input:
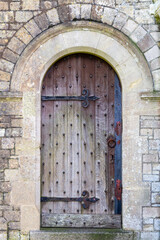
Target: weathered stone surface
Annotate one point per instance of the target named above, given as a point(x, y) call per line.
point(156, 36)
point(157, 224)
point(74, 11)
point(6, 65)
point(4, 153)
point(10, 56)
point(151, 178)
point(150, 158)
point(150, 235)
point(13, 132)
point(14, 235)
point(155, 187)
point(33, 28)
point(151, 212)
point(120, 20)
point(14, 225)
point(147, 168)
point(16, 45)
point(15, 6)
point(129, 27)
point(3, 235)
point(144, 16)
point(155, 64)
point(24, 36)
point(8, 143)
point(109, 3)
point(4, 76)
point(146, 43)
point(97, 12)
point(152, 53)
point(109, 15)
point(86, 11)
point(3, 5)
point(42, 21)
point(6, 33)
point(138, 34)
point(12, 216)
point(30, 217)
point(6, 16)
point(23, 16)
point(64, 14)
point(4, 86)
point(53, 16)
point(2, 132)
point(30, 5)
point(155, 198)
point(11, 108)
point(3, 223)
point(13, 163)
point(5, 187)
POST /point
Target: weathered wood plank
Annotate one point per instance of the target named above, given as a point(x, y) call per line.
point(81, 221)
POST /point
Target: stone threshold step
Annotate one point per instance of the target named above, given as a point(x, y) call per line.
point(83, 234)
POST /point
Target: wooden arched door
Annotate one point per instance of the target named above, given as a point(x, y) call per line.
point(81, 144)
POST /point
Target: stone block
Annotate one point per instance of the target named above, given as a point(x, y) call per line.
point(6, 33)
point(97, 13)
point(156, 77)
point(146, 43)
point(120, 20)
point(14, 225)
point(150, 124)
point(138, 34)
point(33, 28)
point(157, 224)
point(10, 108)
point(15, 6)
point(4, 153)
point(25, 237)
point(74, 11)
point(4, 26)
point(155, 187)
point(151, 212)
point(3, 162)
point(151, 178)
point(3, 42)
point(127, 9)
point(156, 166)
point(148, 227)
point(2, 132)
point(152, 53)
point(155, 198)
point(14, 235)
point(6, 198)
point(156, 36)
point(86, 11)
point(53, 16)
point(146, 132)
point(16, 122)
point(23, 16)
point(5, 187)
point(109, 15)
point(129, 27)
point(24, 36)
point(143, 16)
point(13, 163)
point(8, 143)
point(109, 3)
point(3, 224)
point(12, 216)
point(30, 4)
point(155, 64)
point(4, 76)
point(16, 45)
point(3, 6)
point(154, 144)
point(4, 86)
point(63, 13)
point(10, 56)
point(149, 235)
point(6, 16)
point(147, 168)
point(6, 65)
point(42, 21)
point(148, 221)
point(13, 132)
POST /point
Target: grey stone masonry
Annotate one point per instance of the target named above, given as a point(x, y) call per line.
point(150, 127)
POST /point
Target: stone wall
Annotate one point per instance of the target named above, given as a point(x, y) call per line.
point(22, 21)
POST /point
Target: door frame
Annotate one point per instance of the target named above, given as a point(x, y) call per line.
point(134, 74)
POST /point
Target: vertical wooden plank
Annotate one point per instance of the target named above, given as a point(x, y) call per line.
point(118, 134)
point(111, 151)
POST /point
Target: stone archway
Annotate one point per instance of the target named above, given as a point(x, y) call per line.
point(135, 78)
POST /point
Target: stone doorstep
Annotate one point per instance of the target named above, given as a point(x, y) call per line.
point(83, 234)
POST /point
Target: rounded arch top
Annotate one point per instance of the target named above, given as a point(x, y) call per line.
point(111, 18)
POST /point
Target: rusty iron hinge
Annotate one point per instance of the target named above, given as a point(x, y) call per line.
point(118, 190)
point(85, 98)
point(84, 200)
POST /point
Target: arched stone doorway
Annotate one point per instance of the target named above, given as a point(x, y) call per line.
point(81, 144)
